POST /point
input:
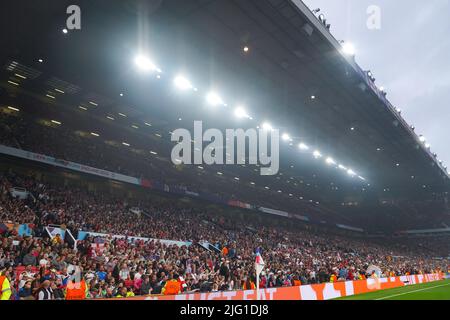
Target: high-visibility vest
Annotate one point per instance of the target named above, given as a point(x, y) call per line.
point(252, 286)
point(171, 287)
point(225, 251)
point(76, 291)
point(5, 288)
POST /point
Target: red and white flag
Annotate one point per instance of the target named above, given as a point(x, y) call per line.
point(259, 263)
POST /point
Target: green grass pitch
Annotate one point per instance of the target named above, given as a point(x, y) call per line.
point(438, 290)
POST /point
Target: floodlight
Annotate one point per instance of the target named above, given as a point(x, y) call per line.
point(145, 64)
point(348, 48)
point(317, 154)
point(213, 99)
point(240, 112)
point(303, 146)
point(182, 83)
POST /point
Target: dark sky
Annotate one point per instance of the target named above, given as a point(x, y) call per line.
point(409, 56)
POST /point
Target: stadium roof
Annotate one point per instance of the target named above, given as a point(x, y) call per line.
point(293, 74)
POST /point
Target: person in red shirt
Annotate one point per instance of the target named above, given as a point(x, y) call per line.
point(129, 283)
point(351, 276)
point(262, 281)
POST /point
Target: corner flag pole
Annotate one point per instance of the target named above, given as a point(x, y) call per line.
point(257, 286)
point(259, 265)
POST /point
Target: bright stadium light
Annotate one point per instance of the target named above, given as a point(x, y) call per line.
point(213, 99)
point(240, 113)
point(267, 126)
point(285, 137)
point(348, 48)
point(351, 172)
point(303, 146)
point(342, 167)
point(330, 161)
point(422, 139)
point(317, 154)
point(182, 83)
point(144, 64)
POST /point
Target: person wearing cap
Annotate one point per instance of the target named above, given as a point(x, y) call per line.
point(4, 283)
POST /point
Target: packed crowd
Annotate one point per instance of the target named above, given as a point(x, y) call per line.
point(42, 268)
point(63, 142)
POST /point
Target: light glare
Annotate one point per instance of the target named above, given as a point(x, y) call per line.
point(214, 99)
point(182, 83)
point(317, 154)
point(144, 64)
point(240, 113)
point(348, 48)
point(303, 146)
point(267, 126)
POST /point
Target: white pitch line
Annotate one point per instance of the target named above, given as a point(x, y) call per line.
point(401, 294)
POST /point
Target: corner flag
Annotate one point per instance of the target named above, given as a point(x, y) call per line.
point(259, 263)
point(259, 266)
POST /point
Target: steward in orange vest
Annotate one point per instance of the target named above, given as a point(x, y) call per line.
point(5, 286)
point(172, 286)
point(296, 282)
point(76, 290)
point(249, 285)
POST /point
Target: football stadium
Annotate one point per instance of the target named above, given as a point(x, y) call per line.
point(212, 150)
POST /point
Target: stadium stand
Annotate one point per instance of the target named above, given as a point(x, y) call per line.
point(92, 206)
point(119, 267)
